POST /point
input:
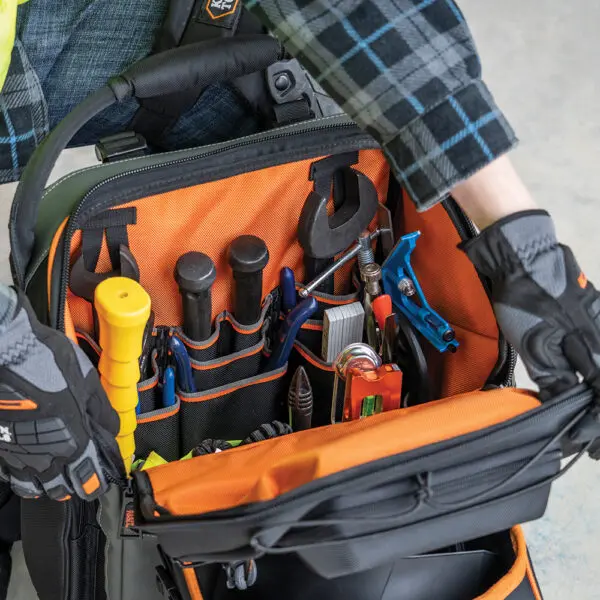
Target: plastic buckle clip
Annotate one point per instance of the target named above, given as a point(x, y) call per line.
point(120, 146)
point(288, 82)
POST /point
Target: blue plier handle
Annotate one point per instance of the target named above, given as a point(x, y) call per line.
point(401, 283)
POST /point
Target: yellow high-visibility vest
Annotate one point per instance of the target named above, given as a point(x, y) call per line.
point(8, 19)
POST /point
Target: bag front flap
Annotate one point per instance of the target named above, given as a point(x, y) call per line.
point(266, 470)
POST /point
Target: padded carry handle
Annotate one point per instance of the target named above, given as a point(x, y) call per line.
point(195, 65)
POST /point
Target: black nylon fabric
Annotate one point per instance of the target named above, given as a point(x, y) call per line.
point(160, 435)
point(235, 414)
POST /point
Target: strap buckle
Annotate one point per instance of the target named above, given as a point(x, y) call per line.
point(288, 82)
point(120, 146)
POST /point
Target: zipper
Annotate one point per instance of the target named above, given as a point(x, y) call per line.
point(72, 224)
point(503, 373)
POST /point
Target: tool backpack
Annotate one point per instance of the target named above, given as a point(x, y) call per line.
point(225, 501)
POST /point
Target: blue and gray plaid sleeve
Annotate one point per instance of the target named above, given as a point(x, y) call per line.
point(23, 116)
point(406, 71)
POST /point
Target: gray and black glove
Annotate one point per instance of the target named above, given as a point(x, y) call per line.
point(545, 306)
point(57, 428)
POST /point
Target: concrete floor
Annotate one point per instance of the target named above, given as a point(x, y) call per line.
point(540, 61)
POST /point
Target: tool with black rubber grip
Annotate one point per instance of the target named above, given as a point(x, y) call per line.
point(123, 308)
point(248, 255)
point(195, 273)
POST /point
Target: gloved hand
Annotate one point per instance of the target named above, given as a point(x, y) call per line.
point(545, 306)
point(57, 428)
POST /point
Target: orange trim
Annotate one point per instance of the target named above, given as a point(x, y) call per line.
point(225, 14)
point(83, 336)
point(312, 360)
point(91, 485)
point(532, 582)
point(312, 327)
point(335, 302)
point(69, 326)
point(65, 498)
point(25, 404)
point(244, 331)
point(160, 417)
point(582, 280)
point(52, 254)
point(227, 361)
point(197, 347)
point(149, 386)
point(192, 583)
point(504, 587)
point(264, 471)
point(229, 390)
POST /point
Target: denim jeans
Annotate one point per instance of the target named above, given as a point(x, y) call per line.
point(73, 47)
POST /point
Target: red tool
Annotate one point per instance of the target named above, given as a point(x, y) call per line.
point(372, 391)
point(382, 309)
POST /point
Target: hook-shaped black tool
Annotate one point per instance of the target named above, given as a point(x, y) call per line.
point(322, 235)
point(83, 283)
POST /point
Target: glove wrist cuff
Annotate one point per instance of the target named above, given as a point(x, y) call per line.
point(511, 243)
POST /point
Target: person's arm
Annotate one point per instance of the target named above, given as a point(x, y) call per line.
point(493, 193)
point(408, 73)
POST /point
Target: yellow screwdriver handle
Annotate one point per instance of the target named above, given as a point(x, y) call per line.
point(123, 308)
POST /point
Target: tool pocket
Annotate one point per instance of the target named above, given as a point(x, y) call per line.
point(322, 378)
point(231, 412)
point(229, 337)
point(229, 369)
point(311, 333)
point(157, 426)
point(158, 430)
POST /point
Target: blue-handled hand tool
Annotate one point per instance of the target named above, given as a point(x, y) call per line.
point(168, 390)
point(401, 283)
point(185, 377)
point(289, 330)
point(287, 282)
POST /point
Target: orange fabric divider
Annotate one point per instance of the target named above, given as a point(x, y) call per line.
point(453, 288)
point(265, 470)
point(505, 586)
point(207, 218)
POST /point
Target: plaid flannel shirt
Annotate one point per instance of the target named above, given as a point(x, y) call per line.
point(23, 116)
point(407, 72)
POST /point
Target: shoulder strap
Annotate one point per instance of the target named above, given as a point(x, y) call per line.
point(187, 22)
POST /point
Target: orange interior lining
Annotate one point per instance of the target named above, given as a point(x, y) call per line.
point(263, 471)
point(206, 218)
point(453, 288)
point(504, 587)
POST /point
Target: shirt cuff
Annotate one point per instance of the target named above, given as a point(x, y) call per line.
point(449, 143)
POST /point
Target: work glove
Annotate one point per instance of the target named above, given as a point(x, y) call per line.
point(544, 304)
point(57, 428)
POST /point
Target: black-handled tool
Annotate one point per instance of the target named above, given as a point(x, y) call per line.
point(195, 273)
point(248, 255)
point(323, 236)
